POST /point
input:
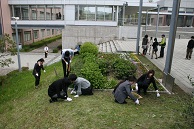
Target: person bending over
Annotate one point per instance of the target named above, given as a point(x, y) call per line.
point(145, 80)
point(58, 89)
point(123, 91)
point(81, 86)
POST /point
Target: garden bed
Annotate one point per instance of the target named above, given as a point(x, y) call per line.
point(104, 71)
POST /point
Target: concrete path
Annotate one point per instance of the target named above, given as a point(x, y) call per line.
point(28, 59)
point(181, 68)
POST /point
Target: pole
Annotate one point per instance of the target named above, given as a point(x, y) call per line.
point(157, 23)
point(123, 14)
point(146, 22)
point(139, 26)
point(18, 51)
point(172, 35)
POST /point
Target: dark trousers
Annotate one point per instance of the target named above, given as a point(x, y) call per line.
point(87, 91)
point(144, 51)
point(37, 80)
point(54, 96)
point(189, 53)
point(65, 71)
point(46, 53)
point(142, 86)
point(162, 52)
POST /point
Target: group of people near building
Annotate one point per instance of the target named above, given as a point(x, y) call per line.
point(152, 46)
point(58, 89)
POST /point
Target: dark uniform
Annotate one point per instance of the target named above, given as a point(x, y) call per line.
point(58, 89)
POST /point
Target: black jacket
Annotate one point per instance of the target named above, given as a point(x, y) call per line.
point(152, 80)
point(37, 69)
point(190, 44)
point(59, 85)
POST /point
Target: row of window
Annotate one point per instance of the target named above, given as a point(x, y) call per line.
point(95, 13)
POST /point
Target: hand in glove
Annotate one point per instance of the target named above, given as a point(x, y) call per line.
point(44, 70)
point(36, 74)
point(137, 102)
point(157, 93)
point(136, 86)
point(69, 99)
point(66, 63)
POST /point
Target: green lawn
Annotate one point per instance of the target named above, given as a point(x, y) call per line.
point(24, 107)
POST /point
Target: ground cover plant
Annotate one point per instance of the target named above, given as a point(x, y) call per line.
point(23, 107)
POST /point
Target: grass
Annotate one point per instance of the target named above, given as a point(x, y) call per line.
point(24, 107)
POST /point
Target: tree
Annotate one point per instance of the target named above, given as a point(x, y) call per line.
point(7, 48)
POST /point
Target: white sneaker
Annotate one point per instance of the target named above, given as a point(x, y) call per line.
point(76, 96)
point(73, 92)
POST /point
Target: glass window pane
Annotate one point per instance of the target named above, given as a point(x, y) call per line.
point(76, 12)
point(108, 13)
point(83, 12)
point(100, 13)
point(25, 12)
point(91, 13)
point(17, 12)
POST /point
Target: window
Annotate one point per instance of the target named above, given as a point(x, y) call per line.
point(48, 32)
point(189, 10)
point(82, 12)
point(41, 15)
point(27, 36)
point(35, 34)
point(48, 17)
point(108, 13)
point(53, 31)
point(100, 14)
point(34, 15)
point(42, 32)
point(25, 11)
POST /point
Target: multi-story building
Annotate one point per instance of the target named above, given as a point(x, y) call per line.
point(186, 13)
point(81, 20)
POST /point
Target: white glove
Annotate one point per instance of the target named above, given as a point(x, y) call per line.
point(36, 74)
point(158, 94)
point(69, 99)
point(70, 61)
point(76, 96)
point(73, 92)
point(137, 102)
point(66, 63)
point(136, 86)
point(44, 70)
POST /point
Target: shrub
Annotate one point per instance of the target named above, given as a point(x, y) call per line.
point(92, 73)
point(88, 47)
point(2, 79)
point(40, 43)
point(123, 68)
point(55, 50)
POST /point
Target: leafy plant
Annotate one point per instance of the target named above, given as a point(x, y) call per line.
point(7, 47)
point(89, 47)
point(123, 68)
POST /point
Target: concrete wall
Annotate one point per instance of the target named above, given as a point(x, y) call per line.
point(72, 35)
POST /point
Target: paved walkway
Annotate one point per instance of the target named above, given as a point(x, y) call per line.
point(181, 68)
point(28, 59)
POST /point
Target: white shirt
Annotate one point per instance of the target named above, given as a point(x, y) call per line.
point(45, 48)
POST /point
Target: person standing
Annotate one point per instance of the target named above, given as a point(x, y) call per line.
point(162, 44)
point(46, 51)
point(37, 71)
point(81, 86)
point(145, 80)
point(58, 89)
point(145, 44)
point(150, 44)
point(123, 90)
point(190, 47)
point(155, 48)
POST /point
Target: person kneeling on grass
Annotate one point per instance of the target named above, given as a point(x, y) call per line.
point(58, 89)
point(81, 86)
point(145, 80)
point(123, 90)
